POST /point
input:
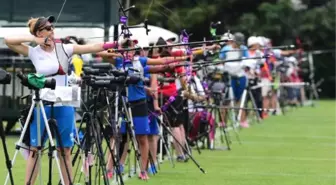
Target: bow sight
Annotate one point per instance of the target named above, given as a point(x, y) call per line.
point(213, 29)
point(124, 20)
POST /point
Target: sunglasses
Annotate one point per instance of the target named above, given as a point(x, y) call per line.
point(48, 28)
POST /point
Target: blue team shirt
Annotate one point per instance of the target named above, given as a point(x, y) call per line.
point(119, 62)
point(135, 91)
point(225, 49)
point(148, 75)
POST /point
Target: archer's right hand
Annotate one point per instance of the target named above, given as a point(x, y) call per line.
point(41, 41)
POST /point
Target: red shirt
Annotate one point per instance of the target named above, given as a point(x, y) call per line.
point(170, 89)
point(294, 77)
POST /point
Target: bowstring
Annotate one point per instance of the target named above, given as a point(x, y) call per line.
point(58, 16)
point(60, 12)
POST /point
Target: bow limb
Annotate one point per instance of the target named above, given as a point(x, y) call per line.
point(58, 16)
point(60, 12)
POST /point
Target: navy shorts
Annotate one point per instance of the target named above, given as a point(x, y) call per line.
point(238, 86)
point(153, 123)
point(139, 110)
point(65, 117)
point(293, 93)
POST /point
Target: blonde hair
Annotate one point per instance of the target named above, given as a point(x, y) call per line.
point(31, 24)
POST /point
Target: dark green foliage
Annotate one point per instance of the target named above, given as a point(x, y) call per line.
point(313, 21)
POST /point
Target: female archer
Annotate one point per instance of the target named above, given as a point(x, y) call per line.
point(51, 58)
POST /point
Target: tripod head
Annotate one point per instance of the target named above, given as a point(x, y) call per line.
point(5, 77)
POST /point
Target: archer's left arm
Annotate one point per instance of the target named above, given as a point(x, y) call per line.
point(154, 85)
point(165, 60)
point(200, 50)
point(93, 48)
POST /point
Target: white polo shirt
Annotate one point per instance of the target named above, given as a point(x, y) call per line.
point(46, 63)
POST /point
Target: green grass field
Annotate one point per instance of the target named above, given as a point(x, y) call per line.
point(296, 149)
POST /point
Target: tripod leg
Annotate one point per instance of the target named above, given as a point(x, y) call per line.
point(99, 150)
point(164, 142)
point(129, 162)
point(185, 150)
point(232, 104)
point(254, 106)
point(132, 133)
point(87, 144)
point(113, 123)
point(212, 132)
point(114, 157)
point(50, 152)
point(224, 131)
point(63, 155)
point(18, 146)
point(314, 92)
point(8, 161)
point(51, 141)
point(36, 155)
point(212, 113)
point(77, 156)
point(161, 142)
point(197, 147)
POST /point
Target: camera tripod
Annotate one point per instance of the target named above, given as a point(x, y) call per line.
point(184, 148)
point(5, 78)
point(164, 123)
point(248, 95)
point(220, 98)
point(95, 128)
point(130, 133)
point(163, 139)
point(52, 153)
point(8, 161)
point(216, 111)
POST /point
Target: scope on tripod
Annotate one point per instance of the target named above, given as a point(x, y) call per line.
point(103, 69)
point(5, 78)
point(106, 66)
point(91, 71)
point(36, 81)
point(97, 68)
point(106, 81)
